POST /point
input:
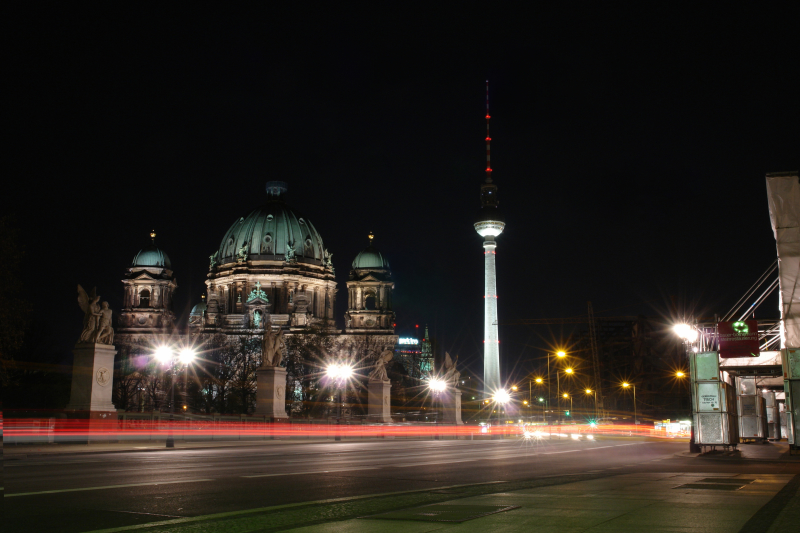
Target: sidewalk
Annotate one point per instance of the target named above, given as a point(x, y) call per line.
point(654, 503)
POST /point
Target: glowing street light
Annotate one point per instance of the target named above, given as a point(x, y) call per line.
point(514, 388)
point(437, 385)
point(539, 380)
point(686, 332)
point(501, 396)
point(339, 373)
point(561, 353)
point(569, 371)
point(187, 356)
point(679, 374)
point(166, 356)
point(163, 354)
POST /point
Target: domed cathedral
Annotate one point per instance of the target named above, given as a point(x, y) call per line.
point(271, 264)
point(149, 285)
point(369, 294)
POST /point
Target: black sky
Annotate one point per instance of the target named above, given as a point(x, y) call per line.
point(629, 147)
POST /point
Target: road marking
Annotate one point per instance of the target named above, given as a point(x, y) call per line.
point(230, 514)
point(105, 487)
point(447, 462)
point(313, 472)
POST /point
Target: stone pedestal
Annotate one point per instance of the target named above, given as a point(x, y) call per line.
point(451, 404)
point(271, 392)
point(90, 396)
point(379, 401)
point(92, 378)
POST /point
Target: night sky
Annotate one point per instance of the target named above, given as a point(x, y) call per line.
point(629, 148)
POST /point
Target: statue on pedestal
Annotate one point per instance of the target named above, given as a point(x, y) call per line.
point(379, 371)
point(271, 347)
point(96, 320)
point(451, 375)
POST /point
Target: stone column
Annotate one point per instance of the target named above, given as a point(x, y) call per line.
point(271, 392)
point(379, 401)
point(451, 403)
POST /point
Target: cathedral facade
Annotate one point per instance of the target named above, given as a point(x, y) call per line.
point(271, 269)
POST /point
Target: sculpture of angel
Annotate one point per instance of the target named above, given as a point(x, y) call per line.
point(379, 371)
point(91, 314)
point(451, 375)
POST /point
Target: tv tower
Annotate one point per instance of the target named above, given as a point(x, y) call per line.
point(489, 225)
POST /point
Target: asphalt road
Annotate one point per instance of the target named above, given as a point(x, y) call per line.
point(69, 493)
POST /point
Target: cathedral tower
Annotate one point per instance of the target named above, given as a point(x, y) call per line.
point(149, 287)
point(489, 225)
point(369, 294)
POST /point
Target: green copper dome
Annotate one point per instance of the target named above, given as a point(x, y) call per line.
point(198, 309)
point(273, 232)
point(151, 256)
point(370, 258)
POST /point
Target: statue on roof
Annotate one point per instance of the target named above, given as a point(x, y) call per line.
point(241, 255)
point(290, 255)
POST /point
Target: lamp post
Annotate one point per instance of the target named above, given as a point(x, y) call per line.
point(500, 399)
point(166, 356)
point(590, 391)
point(339, 374)
point(437, 387)
point(689, 335)
point(625, 386)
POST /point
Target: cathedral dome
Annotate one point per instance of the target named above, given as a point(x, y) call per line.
point(198, 309)
point(152, 256)
point(370, 258)
point(271, 232)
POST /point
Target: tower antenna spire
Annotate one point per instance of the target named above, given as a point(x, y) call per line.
point(488, 139)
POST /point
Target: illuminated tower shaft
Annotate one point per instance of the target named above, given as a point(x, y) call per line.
point(491, 348)
point(489, 225)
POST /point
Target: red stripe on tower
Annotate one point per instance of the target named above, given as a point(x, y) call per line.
point(488, 139)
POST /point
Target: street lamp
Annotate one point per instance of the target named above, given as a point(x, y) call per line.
point(437, 387)
point(590, 391)
point(686, 332)
point(625, 385)
point(679, 374)
point(339, 373)
point(166, 356)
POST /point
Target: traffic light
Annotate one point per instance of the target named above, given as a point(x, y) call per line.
point(566, 412)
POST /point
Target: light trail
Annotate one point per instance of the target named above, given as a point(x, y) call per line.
point(32, 431)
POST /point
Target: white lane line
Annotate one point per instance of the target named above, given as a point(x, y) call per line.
point(313, 472)
point(105, 487)
point(447, 462)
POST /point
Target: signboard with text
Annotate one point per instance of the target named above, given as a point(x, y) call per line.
point(738, 339)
